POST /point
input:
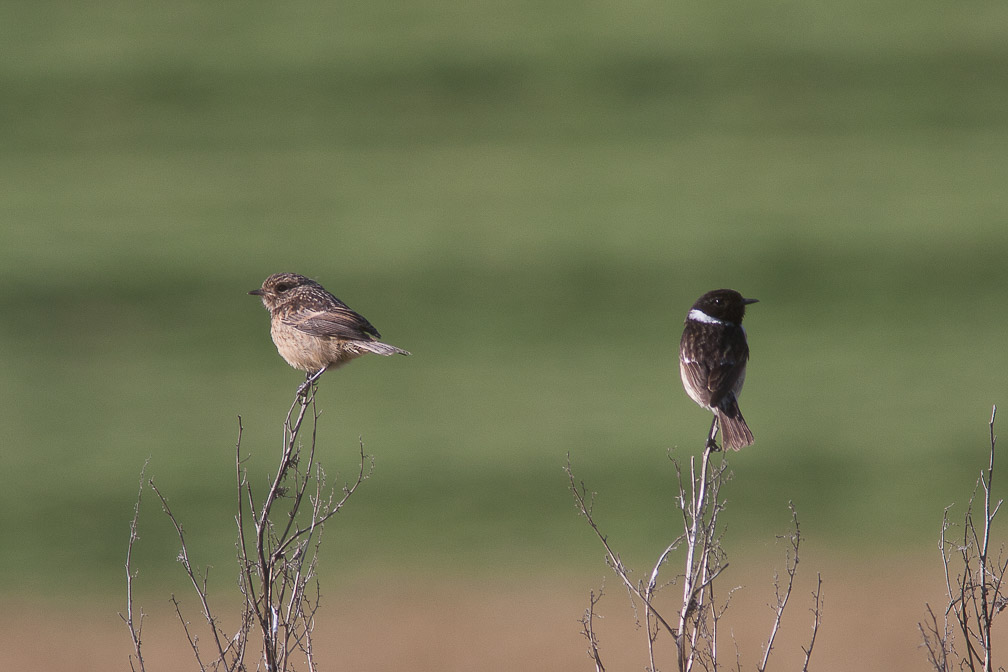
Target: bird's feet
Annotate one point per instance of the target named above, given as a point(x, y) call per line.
point(711, 444)
point(306, 385)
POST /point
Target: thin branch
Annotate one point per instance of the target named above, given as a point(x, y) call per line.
point(611, 556)
point(193, 640)
point(278, 549)
point(816, 616)
point(975, 596)
point(692, 514)
point(699, 614)
point(790, 568)
point(588, 630)
point(183, 557)
point(136, 628)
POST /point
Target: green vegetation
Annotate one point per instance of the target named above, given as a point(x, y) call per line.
point(528, 197)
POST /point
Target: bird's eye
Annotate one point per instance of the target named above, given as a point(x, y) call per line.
point(282, 287)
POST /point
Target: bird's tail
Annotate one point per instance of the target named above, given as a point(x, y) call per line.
point(380, 348)
point(735, 432)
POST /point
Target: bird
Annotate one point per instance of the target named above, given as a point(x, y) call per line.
point(713, 353)
point(313, 330)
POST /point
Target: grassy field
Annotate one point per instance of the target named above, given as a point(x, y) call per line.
point(528, 197)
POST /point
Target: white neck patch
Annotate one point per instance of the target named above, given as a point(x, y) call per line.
point(699, 316)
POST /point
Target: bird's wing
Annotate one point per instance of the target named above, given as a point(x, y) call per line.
point(724, 375)
point(338, 322)
point(697, 376)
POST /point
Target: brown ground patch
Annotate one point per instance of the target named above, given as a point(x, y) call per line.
point(401, 623)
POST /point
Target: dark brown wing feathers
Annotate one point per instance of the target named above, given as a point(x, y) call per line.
point(723, 377)
point(337, 321)
point(715, 381)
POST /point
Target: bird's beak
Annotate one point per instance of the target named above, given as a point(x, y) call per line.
point(256, 292)
point(745, 301)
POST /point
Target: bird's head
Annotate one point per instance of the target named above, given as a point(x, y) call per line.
point(725, 305)
point(279, 288)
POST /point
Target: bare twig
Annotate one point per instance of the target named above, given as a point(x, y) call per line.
point(193, 639)
point(278, 573)
point(975, 596)
point(199, 583)
point(705, 560)
point(694, 628)
point(588, 630)
point(278, 553)
point(937, 641)
point(581, 499)
point(790, 568)
point(135, 626)
point(816, 618)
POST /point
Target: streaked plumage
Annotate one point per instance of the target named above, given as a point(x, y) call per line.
point(312, 329)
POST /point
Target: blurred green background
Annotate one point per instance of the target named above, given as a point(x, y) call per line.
point(528, 196)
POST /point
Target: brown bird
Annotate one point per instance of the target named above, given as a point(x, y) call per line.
point(713, 354)
point(312, 329)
